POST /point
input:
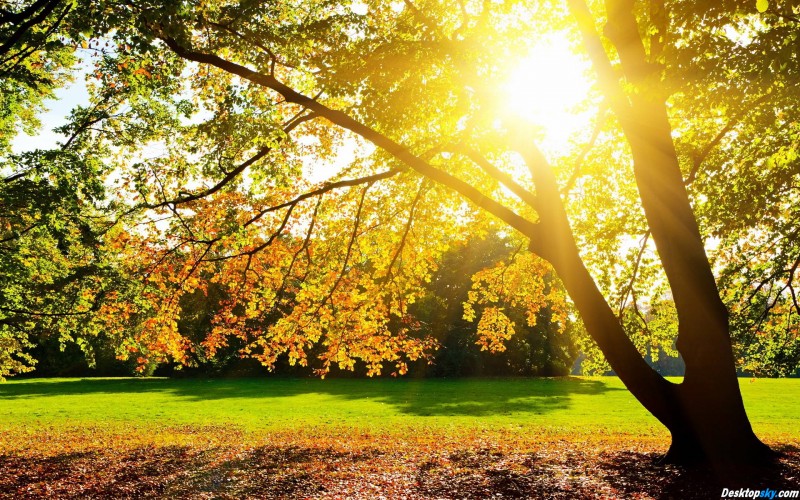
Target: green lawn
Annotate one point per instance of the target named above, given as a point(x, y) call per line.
point(309, 438)
point(564, 406)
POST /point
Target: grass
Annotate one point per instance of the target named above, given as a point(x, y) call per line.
point(562, 406)
point(559, 438)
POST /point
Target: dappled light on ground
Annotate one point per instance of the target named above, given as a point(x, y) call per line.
point(557, 470)
point(570, 405)
point(259, 404)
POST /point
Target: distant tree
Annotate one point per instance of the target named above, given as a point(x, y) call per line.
point(52, 202)
point(544, 348)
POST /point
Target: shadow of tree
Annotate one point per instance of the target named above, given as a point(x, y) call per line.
point(426, 397)
point(644, 473)
point(305, 472)
point(569, 473)
point(171, 472)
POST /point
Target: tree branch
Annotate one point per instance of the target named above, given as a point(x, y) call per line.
point(274, 235)
point(32, 20)
point(341, 119)
point(303, 248)
point(606, 73)
point(659, 19)
point(576, 171)
point(494, 172)
point(261, 153)
point(406, 230)
point(629, 289)
point(353, 235)
point(790, 17)
point(557, 240)
point(43, 314)
point(370, 179)
point(291, 204)
point(702, 155)
point(791, 286)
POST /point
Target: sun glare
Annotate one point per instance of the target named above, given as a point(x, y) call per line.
point(547, 88)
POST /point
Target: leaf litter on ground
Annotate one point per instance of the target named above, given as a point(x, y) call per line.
point(222, 462)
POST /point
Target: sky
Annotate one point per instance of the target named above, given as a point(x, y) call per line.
point(67, 98)
point(545, 89)
point(77, 94)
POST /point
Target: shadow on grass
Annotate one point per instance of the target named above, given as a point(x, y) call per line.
point(293, 472)
point(427, 397)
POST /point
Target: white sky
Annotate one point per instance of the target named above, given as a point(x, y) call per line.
point(77, 94)
point(74, 94)
point(545, 88)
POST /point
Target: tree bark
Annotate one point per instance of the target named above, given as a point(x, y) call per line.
point(704, 414)
point(713, 418)
point(708, 421)
point(555, 243)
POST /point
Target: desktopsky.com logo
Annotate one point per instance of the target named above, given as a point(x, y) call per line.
point(765, 493)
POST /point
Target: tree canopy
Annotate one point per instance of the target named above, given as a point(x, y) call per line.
point(673, 206)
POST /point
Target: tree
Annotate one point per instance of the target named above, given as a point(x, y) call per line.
point(341, 260)
point(51, 263)
point(33, 59)
point(489, 273)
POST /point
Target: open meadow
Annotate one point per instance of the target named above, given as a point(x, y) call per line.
point(568, 437)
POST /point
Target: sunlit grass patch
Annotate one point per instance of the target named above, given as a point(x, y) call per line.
point(180, 411)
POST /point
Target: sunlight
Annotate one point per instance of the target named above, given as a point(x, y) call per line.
point(547, 88)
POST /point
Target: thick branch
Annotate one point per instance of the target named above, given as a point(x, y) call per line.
point(502, 177)
point(7, 16)
point(23, 27)
point(343, 120)
point(609, 79)
point(558, 246)
point(556, 238)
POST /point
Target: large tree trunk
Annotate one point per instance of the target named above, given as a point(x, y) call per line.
point(706, 415)
point(712, 422)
